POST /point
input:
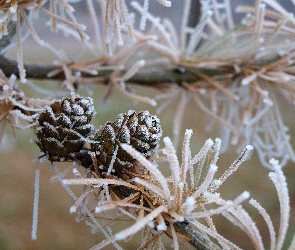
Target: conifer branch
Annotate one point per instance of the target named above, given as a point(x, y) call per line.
point(147, 76)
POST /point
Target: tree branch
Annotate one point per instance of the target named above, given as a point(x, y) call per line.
point(147, 76)
point(35, 71)
point(197, 239)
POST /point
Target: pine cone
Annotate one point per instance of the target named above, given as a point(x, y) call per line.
point(64, 126)
point(141, 130)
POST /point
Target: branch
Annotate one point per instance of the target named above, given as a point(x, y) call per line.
point(5, 40)
point(197, 239)
point(147, 76)
point(35, 71)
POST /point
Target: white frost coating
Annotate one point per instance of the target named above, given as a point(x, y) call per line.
point(82, 119)
point(78, 109)
point(77, 173)
point(203, 152)
point(162, 227)
point(50, 126)
point(207, 183)
point(153, 102)
point(190, 204)
point(180, 219)
point(109, 129)
point(73, 209)
point(279, 180)
point(67, 106)
point(248, 79)
point(217, 147)
point(165, 3)
point(189, 132)
point(149, 166)
point(268, 221)
point(55, 140)
point(114, 156)
point(35, 205)
point(151, 224)
point(151, 187)
point(51, 113)
point(130, 112)
point(125, 134)
point(173, 160)
point(5, 88)
point(140, 224)
point(12, 9)
point(144, 15)
point(97, 210)
point(141, 63)
point(143, 130)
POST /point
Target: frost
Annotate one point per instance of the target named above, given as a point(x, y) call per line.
point(5, 89)
point(80, 119)
point(67, 106)
point(12, 10)
point(51, 113)
point(49, 126)
point(110, 133)
point(124, 135)
point(143, 131)
point(151, 224)
point(73, 209)
point(161, 227)
point(58, 143)
point(77, 109)
point(190, 204)
point(77, 173)
point(133, 124)
point(140, 224)
point(114, 156)
point(130, 112)
point(65, 120)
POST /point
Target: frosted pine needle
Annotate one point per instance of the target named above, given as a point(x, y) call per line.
point(35, 205)
point(268, 221)
point(172, 204)
point(279, 180)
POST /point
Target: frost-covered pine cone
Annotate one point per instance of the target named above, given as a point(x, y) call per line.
point(142, 131)
point(64, 126)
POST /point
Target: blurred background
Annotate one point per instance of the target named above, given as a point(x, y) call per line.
point(57, 228)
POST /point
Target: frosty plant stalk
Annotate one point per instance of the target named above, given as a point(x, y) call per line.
point(121, 162)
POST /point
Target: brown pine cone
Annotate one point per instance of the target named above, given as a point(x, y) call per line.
point(142, 131)
point(63, 127)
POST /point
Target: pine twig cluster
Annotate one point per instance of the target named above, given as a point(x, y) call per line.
point(122, 173)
